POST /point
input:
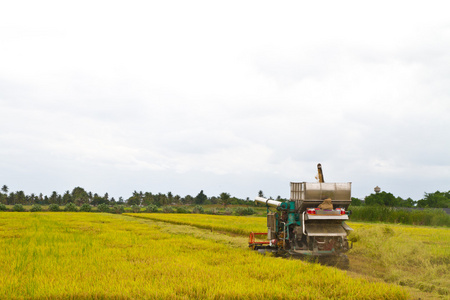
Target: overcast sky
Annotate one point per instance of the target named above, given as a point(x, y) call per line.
point(224, 96)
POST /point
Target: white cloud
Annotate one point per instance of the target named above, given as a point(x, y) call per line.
point(238, 96)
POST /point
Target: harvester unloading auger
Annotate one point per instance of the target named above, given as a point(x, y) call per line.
point(311, 224)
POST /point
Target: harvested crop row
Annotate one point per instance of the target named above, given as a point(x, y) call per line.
point(82, 255)
point(231, 224)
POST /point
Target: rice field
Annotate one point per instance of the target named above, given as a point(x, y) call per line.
point(103, 256)
point(412, 256)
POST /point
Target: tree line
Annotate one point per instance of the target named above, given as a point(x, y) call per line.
point(430, 200)
point(80, 196)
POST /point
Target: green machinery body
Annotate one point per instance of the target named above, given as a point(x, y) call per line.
point(300, 227)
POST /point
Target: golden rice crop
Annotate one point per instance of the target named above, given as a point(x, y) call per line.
point(414, 256)
point(97, 256)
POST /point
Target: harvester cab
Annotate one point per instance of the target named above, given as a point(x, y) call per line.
point(310, 224)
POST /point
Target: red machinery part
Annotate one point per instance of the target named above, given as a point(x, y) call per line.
point(252, 241)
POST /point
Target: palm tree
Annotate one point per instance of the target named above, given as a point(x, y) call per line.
point(5, 189)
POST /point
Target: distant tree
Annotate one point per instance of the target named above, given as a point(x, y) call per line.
point(86, 207)
point(70, 207)
point(436, 200)
point(104, 199)
point(53, 207)
point(80, 196)
point(200, 198)
point(233, 201)
point(54, 198)
point(148, 199)
point(214, 200)
point(381, 198)
point(32, 199)
point(11, 199)
point(198, 209)
point(103, 208)
point(163, 199)
point(18, 207)
point(67, 198)
point(36, 207)
point(356, 202)
point(167, 209)
point(170, 197)
point(135, 199)
point(182, 210)
point(410, 202)
point(151, 208)
point(188, 199)
point(135, 208)
point(3, 199)
point(260, 193)
point(405, 203)
point(160, 199)
point(224, 199)
point(97, 200)
point(118, 209)
point(20, 197)
point(244, 211)
point(5, 189)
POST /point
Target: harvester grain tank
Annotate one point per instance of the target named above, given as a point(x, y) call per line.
point(310, 224)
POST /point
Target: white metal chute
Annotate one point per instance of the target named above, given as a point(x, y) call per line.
point(268, 202)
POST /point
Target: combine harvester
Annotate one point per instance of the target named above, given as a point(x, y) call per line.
point(310, 225)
